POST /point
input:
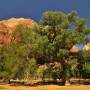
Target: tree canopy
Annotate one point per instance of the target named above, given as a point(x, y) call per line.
point(46, 50)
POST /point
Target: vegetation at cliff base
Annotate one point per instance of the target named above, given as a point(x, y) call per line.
point(46, 51)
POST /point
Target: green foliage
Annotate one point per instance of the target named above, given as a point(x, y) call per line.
point(9, 60)
point(31, 67)
point(85, 63)
point(61, 38)
point(16, 57)
point(53, 71)
point(24, 34)
point(49, 43)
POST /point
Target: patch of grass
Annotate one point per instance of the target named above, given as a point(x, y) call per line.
point(2, 88)
point(41, 88)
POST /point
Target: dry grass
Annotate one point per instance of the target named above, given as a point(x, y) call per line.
point(47, 87)
point(2, 88)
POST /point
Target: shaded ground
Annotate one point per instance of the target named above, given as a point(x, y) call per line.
point(48, 85)
point(72, 81)
point(49, 82)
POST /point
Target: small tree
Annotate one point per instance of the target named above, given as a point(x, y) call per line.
point(18, 54)
point(9, 59)
point(84, 62)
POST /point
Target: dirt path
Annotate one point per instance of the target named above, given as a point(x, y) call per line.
point(47, 87)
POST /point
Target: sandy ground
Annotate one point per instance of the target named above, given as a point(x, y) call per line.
point(47, 87)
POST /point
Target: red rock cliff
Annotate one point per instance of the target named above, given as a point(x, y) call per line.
point(7, 27)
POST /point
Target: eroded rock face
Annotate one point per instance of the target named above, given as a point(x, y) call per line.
point(87, 47)
point(74, 49)
point(7, 27)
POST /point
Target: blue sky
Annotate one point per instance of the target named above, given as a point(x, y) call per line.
point(35, 8)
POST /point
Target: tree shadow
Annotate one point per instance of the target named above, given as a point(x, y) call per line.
point(42, 83)
point(51, 82)
point(80, 82)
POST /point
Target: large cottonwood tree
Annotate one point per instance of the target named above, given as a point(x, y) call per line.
point(63, 32)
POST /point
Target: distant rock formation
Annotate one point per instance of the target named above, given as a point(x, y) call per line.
point(7, 27)
point(87, 46)
point(74, 49)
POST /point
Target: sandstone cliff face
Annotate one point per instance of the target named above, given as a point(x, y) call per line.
point(74, 49)
point(7, 27)
point(87, 47)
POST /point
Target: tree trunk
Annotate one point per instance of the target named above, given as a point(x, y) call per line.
point(7, 81)
point(65, 78)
